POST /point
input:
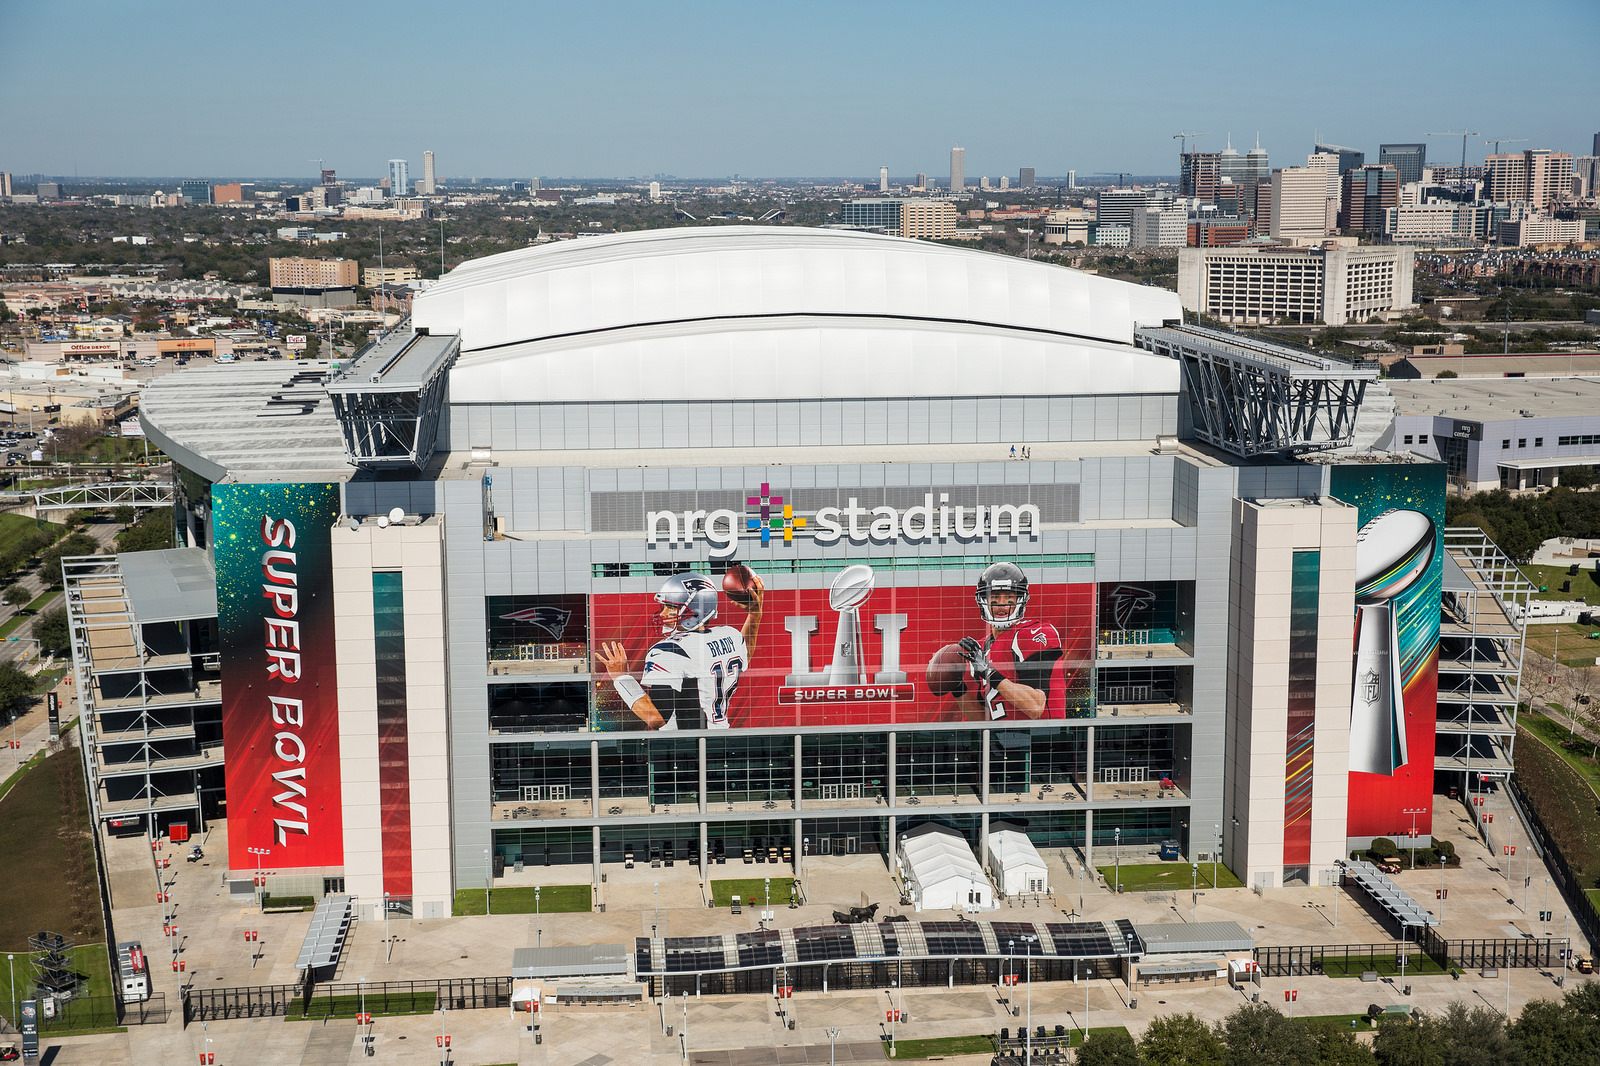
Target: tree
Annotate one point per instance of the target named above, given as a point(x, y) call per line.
point(1260, 1036)
point(1337, 1045)
point(1182, 1040)
point(1564, 1032)
point(1403, 1042)
point(16, 689)
point(51, 631)
point(1472, 1036)
point(16, 595)
point(50, 561)
point(1446, 374)
point(1578, 477)
point(313, 346)
point(150, 533)
point(1113, 1047)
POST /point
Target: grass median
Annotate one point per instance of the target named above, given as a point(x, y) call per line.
point(521, 899)
point(1167, 876)
point(379, 1006)
point(752, 891)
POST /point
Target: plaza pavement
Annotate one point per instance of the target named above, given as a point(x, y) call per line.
point(1482, 902)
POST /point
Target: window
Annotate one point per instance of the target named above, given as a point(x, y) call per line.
point(1422, 438)
point(1538, 442)
point(1408, 438)
point(1505, 445)
point(1522, 442)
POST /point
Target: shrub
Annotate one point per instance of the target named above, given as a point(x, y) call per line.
point(1383, 848)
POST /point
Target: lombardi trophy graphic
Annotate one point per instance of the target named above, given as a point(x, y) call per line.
point(1392, 552)
point(846, 595)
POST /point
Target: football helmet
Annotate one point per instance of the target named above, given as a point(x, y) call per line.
point(1002, 577)
point(694, 596)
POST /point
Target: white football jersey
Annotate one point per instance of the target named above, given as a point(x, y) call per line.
point(691, 677)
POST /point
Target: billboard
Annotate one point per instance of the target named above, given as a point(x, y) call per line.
point(722, 650)
point(1395, 642)
point(280, 725)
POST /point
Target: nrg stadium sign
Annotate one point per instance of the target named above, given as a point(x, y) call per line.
point(722, 529)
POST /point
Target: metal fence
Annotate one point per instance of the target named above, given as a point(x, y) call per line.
point(1297, 960)
point(345, 1000)
point(102, 1012)
point(1566, 879)
point(1545, 952)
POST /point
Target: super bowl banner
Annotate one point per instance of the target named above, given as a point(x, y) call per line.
point(723, 651)
point(1395, 645)
point(280, 721)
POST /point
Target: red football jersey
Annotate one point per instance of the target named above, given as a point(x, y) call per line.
point(1029, 653)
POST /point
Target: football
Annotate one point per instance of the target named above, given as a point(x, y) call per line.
point(1392, 551)
point(851, 588)
point(738, 582)
point(947, 672)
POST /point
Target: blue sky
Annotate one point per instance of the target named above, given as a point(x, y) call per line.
point(145, 87)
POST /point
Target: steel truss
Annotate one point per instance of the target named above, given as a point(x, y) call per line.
point(1252, 398)
point(117, 494)
point(390, 397)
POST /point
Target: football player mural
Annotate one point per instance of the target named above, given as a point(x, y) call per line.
point(848, 653)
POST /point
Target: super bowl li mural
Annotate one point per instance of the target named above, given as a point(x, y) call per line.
point(1399, 570)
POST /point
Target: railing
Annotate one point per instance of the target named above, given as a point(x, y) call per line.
point(1566, 879)
point(310, 1000)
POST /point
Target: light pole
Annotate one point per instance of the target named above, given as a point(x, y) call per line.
point(1116, 858)
point(833, 1034)
point(261, 893)
point(1414, 811)
point(683, 1030)
point(1011, 996)
point(536, 890)
point(894, 1016)
point(1194, 888)
point(1027, 1054)
point(386, 938)
point(11, 963)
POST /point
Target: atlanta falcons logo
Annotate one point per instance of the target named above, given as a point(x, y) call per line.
point(553, 620)
point(1128, 600)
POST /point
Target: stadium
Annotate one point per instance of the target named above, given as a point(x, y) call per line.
point(715, 546)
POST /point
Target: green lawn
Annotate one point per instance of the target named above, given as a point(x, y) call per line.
point(1548, 580)
point(374, 1004)
point(1568, 638)
point(1563, 798)
point(752, 891)
point(1341, 1021)
point(49, 860)
point(1417, 965)
point(941, 1045)
point(39, 602)
point(92, 1008)
point(552, 899)
point(16, 775)
point(1577, 753)
point(1166, 876)
point(12, 624)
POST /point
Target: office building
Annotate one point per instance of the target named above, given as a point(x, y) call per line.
point(1537, 177)
point(1369, 192)
point(958, 171)
point(883, 179)
point(1198, 174)
point(1408, 160)
point(1158, 227)
point(48, 190)
point(927, 219)
point(233, 192)
point(1349, 158)
point(1439, 222)
point(1299, 286)
point(399, 178)
point(922, 182)
point(1025, 178)
point(429, 184)
point(1586, 177)
point(1116, 207)
point(1243, 171)
point(1072, 179)
point(5, 183)
point(1217, 232)
point(1196, 602)
point(1525, 228)
point(372, 277)
point(880, 213)
point(306, 282)
point(195, 191)
point(1299, 204)
point(655, 190)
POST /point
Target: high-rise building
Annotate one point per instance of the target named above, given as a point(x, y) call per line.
point(983, 183)
point(1025, 178)
point(958, 170)
point(48, 190)
point(655, 190)
point(1299, 204)
point(298, 272)
point(429, 180)
point(1198, 174)
point(1116, 207)
point(883, 179)
point(329, 176)
point(5, 183)
point(195, 190)
point(1537, 177)
point(1408, 160)
point(1585, 176)
point(399, 178)
point(928, 219)
point(1243, 170)
point(1298, 285)
point(1369, 192)
point(1158, 226)
point(233, 192)
point(1349, 158)
point(1596, 149)
point(873, 212)
point(1072, 179)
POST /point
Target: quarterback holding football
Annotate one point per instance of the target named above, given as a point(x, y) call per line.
point(1016, 670)
point(691, 672)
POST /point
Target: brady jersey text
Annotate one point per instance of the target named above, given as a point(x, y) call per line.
point(690, 677)
point(1029, 653)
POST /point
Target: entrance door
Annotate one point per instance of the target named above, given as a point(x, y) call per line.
point(824, 845)
point(557, 792)
point(852, 792)
point(530, 793)
point(849, 845)
point(830, 792)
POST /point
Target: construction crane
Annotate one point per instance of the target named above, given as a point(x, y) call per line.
point(1498, 141)
point(1463, 134)
point(1182, 137)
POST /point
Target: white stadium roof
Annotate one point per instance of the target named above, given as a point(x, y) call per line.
point(751, 312)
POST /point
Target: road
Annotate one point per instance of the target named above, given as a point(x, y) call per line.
point(104, 534)
point(1374, 330)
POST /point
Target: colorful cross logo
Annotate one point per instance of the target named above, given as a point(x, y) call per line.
point(774, 515)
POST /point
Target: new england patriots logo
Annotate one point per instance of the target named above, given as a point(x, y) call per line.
point(1129, 600)
point(552, 620)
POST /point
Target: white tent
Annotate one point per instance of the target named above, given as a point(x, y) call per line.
point(940, 871)
point(1014, 863)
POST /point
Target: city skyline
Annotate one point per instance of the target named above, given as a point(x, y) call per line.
point(732, 90)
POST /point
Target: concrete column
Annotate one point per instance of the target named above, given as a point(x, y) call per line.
point(701, 745)
point(702, 856)
point(1088, 764)
point(799, 852)
point(1088, 838)
point(891, 760)
point(799, 755)
point(983, 764)
point(594, 841)
point(892, 841)
point(983, 837)
point(594, 785)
